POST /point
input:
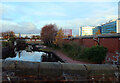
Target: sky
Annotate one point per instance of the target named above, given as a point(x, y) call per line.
point(30, 17)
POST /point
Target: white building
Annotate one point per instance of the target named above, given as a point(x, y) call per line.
point(118, 26)
point(86, 31)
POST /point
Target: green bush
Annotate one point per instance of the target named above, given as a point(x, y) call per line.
point(95, 54)
point(72, 49)
point(12, 39)
point(5, 43)
point(21, 45)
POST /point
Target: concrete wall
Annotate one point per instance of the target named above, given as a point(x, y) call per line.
point(69, 71)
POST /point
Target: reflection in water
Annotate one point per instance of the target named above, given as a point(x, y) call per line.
point(27, 56)
point(19, 54)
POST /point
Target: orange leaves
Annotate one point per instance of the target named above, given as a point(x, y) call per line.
point(59, 37)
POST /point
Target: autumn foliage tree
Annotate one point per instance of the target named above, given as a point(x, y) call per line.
point(48, 33)
point(59, 38)
point(8, 34)
point(98, 32)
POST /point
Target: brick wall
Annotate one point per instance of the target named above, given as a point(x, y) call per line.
point(88, 42)
point(119, 44)
point(110, 43)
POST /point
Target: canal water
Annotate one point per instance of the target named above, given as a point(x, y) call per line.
point(27, 56)
point(33, 54)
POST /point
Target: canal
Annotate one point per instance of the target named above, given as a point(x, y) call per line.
point(27, 56)
point(30, 54)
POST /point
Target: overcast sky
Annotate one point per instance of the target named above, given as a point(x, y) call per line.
point(30, 17)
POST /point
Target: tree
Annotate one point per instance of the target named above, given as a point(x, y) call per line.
point(112, 32)
point(98, 32)
point(59, 37)
point(37, 36)
point(8, 34)
point(33, 37)
point(26, 37)
point(48, 33)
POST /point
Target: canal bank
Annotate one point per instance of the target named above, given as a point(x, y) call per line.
point(65, 58)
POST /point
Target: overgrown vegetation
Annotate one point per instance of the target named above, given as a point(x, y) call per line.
point(8, 48)
point(5, 43)
point(72, 49)
point(94, 54)
point(21, 45)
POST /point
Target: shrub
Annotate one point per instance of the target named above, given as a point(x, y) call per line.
point(95, 54)
point(12, 39)
point(4, 44)
point(21, 45)
point(72, 49)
